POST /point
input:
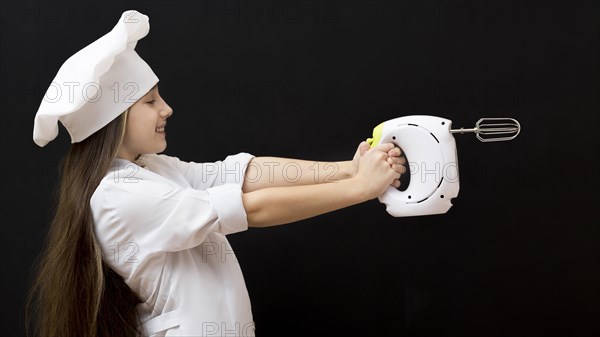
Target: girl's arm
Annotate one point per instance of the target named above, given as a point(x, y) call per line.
point(284, 204)
point(265, 172)
point(280, 205)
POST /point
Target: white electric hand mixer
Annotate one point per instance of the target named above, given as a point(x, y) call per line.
point(430, 151)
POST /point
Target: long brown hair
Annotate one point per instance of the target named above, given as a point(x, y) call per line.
point(76, 293)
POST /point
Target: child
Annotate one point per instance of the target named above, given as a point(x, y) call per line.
point(138, 242)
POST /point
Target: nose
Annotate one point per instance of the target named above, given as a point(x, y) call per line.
point(166, 111)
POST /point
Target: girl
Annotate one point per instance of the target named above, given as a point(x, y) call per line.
point(137, 245)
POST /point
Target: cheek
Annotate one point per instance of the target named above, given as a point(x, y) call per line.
point(140, 127)
point(138, 131)
point(144, 131)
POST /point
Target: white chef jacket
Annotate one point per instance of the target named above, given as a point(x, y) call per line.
point(162, 227)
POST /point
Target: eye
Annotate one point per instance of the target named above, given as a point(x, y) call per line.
point(150, 102)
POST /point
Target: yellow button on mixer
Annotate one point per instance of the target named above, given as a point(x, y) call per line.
point(377, 131)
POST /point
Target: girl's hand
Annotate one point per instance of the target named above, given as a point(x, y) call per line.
point(396, 160)
point(375, 173)
point(362, 148)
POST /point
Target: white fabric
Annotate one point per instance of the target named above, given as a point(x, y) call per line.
point(162, 228)
point(96, 84)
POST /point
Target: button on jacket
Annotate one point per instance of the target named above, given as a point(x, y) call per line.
point(162, 225)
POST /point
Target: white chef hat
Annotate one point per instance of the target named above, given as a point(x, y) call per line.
point(96, 84)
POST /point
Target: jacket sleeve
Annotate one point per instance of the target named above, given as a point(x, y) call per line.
point(160, 216)
point(204, 175)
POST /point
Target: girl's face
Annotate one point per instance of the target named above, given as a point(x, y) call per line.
point(145, 129)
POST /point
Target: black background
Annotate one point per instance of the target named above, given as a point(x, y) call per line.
point(517, 254)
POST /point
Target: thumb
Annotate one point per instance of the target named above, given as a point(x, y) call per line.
point(363, 147)
point(385, 147)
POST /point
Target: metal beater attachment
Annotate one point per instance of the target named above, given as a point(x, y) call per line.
point(493, 129)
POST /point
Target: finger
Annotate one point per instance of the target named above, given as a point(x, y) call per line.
point(398, 160)
point(396, 183)
point(395, 152)
point(380, 155)
point(385, 147)
point(399, 168)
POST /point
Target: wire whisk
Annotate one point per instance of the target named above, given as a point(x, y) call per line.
point(493, 129)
